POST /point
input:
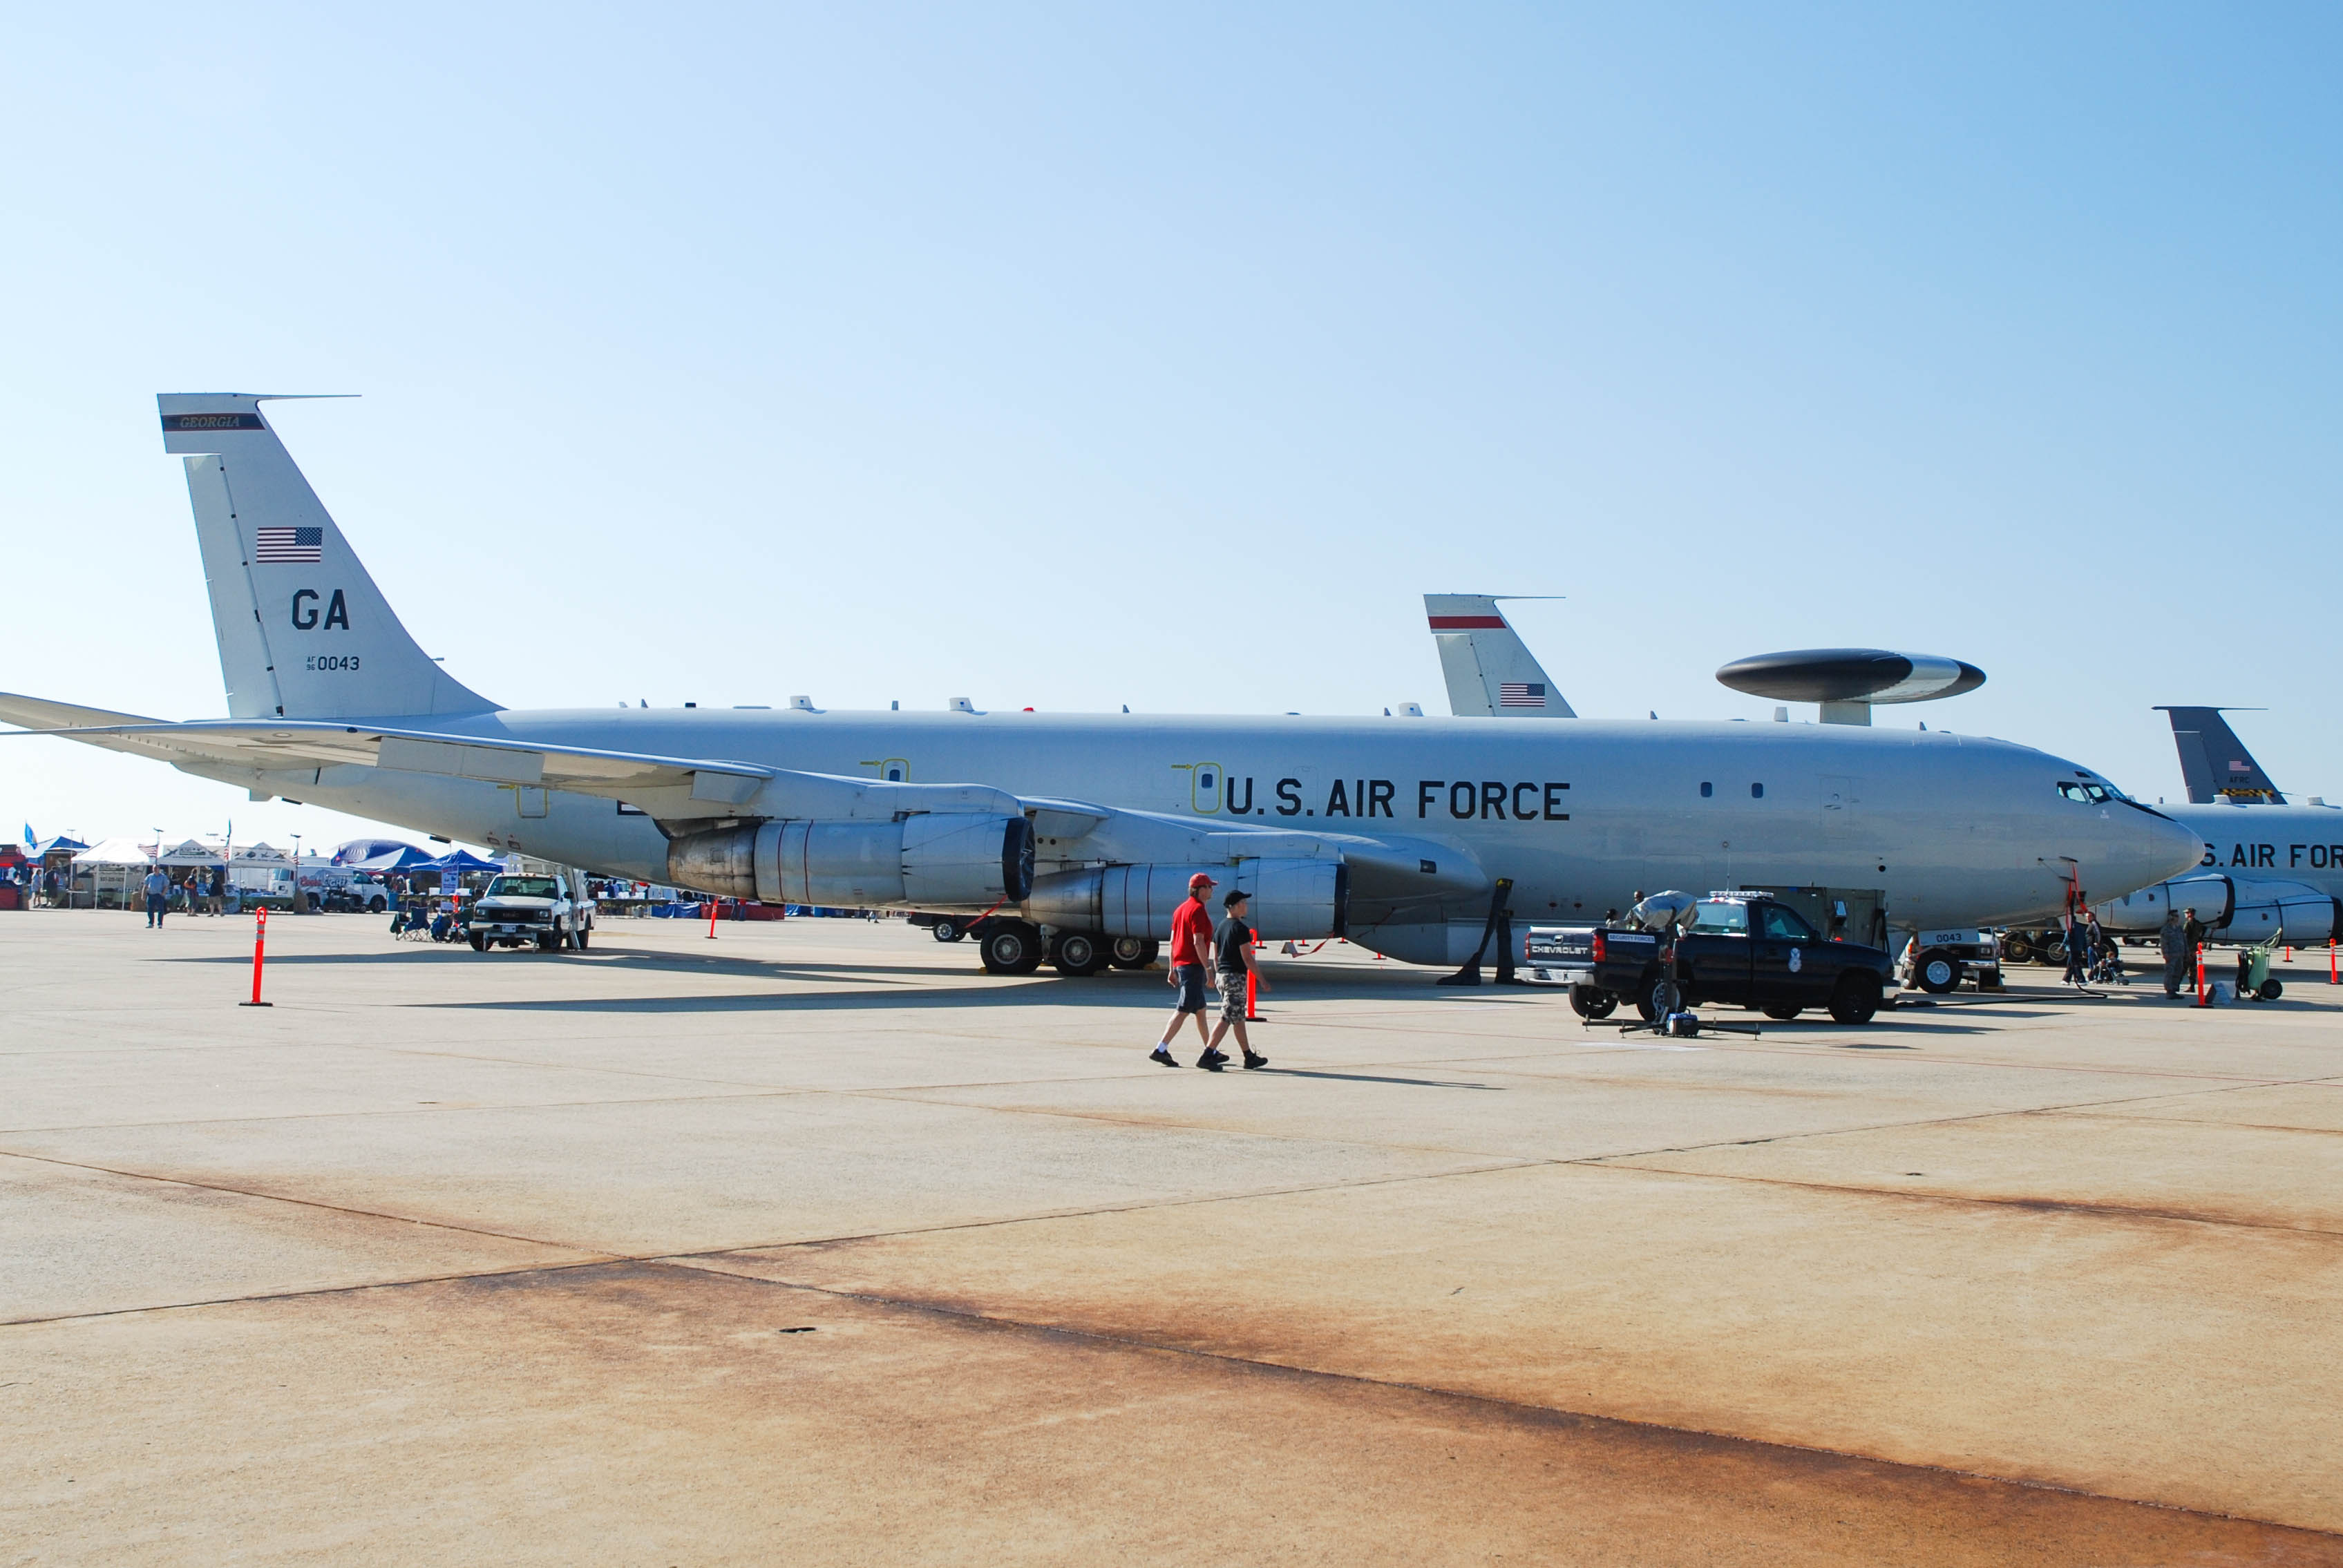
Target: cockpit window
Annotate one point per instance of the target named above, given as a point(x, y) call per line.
point(2094, 794)
point(1710, 915)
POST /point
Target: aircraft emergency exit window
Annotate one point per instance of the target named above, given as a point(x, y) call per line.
point(1204, 779)
point(1730, 918)
point(1706, 788)
point(1756, 791)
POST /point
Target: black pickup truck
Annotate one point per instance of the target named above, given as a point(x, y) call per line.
point(1738, 949)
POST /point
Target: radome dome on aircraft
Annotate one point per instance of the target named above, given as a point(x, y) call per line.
point(1390, 830)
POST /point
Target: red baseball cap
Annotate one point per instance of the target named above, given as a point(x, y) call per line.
point(1200, 881)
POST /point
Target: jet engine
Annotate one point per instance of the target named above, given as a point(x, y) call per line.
point(933, 860)
point(1290, 899)
point(2141, 912)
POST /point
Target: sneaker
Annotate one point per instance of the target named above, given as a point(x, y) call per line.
point(1254, 1060)
point(1161, 1055)
point(1212, 1060)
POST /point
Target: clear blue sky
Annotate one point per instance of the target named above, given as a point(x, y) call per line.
point(1080, 355)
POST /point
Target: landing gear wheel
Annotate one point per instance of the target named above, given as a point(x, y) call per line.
point(1781, 1012)
point(479, 942)
point(1077, 953)
point(2018, 948)
point(1011, 947)
point(1938, 974)
point(1132, 952)
point(1856, 1000)
point(1591, 1001)
point(1656, 998)
point(946, 932)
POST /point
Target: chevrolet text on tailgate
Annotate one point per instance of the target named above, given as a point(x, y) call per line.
point(1737, 950)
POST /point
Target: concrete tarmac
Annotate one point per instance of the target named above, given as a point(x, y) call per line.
point(812, 1242)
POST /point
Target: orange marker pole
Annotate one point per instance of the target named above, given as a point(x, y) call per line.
point(2200, 974)
point(259, 953)
point(713, 904)
point(1252, 998)
point(2332, 978)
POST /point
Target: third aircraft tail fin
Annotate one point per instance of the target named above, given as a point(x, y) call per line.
point(1489, 670)
point(2213, 763)
point(302, 632)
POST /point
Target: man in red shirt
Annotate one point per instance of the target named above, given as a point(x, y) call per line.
point(1191, 966)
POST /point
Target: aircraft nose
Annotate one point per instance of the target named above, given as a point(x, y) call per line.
point(2157, 848)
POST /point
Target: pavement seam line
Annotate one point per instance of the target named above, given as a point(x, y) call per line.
point(305, 1204)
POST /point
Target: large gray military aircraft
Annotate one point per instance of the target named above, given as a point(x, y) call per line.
point(2271, 871)
point(1393, 831)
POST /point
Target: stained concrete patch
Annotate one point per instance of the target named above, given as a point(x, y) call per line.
point(651, 1414)
point(2178, 1364)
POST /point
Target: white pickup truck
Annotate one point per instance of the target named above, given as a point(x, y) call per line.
point(518, 910)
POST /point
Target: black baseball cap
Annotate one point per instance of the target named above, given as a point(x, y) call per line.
point(1235, 896)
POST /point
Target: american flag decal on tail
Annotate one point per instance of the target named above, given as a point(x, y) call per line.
point(1520, 694)
point(288, 545)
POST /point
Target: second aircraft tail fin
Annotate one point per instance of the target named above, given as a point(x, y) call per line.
point(2213, 763)
point(302, 632)
point(1491, 672)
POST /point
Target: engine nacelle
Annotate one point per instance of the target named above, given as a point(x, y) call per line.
point(1290, 899)
point(2270, 910)
point(933, 860)
point(2141, 911)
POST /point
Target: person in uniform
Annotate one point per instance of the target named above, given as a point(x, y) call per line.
point(1232, 945)
point(2173, 942)
point(2078, 950)
point(1191, 966)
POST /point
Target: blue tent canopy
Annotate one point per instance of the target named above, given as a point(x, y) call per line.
point(403, 857)
point(463, 861)
point(366, 851)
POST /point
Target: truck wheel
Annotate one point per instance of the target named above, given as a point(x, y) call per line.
point(583, 932)
point(946, 932)
point(1781, 1012)
point(378, 905)
point(479, 941)
point(1656, 998)
point(549, 941)
point(1011, 947)
point(1856, 1000)
point(1132, 952)
point(1077, 953)
point(1936, 972)
point(1591, 1001)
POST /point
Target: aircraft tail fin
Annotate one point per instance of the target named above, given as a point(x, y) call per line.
point(1489, 669)
point(2213, 763)
point(302, 632)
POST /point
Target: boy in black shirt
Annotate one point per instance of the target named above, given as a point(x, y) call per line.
point(1232, 956)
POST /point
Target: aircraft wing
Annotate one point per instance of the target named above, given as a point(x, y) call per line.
point(39, 713)
point(685, 790)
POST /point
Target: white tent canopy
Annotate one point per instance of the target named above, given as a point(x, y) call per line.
point(114, 853)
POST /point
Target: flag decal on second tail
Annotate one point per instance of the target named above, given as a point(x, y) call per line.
point(1520, 694)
